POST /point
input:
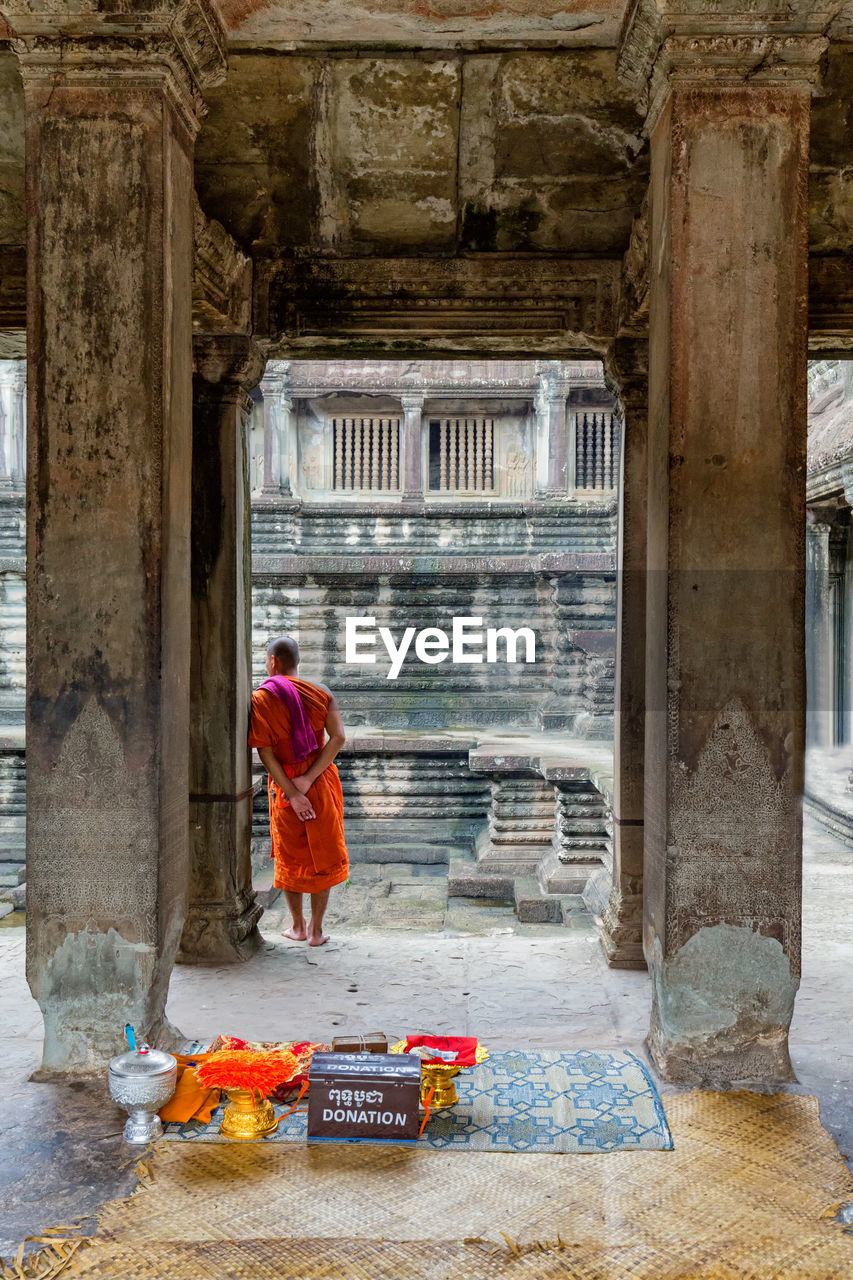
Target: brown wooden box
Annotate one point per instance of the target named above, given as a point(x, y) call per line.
point(364, 1097)
point(370, 1042)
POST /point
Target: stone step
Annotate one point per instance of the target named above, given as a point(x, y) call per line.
point(554, 876)
point(533, 906)
point(464, 880)
point(12, 874)
point(415, 854)
point(262, 882)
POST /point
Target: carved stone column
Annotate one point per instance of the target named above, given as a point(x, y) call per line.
point(411, 446)
point(6, 400)
point(112, 110)
point(221, 924)
point(279, 436)
point(18, 450)
point(819, 640)
point(555, 431)
point(725, 688)
point(622, 923)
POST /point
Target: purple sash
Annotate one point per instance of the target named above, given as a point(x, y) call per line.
point(304, 740)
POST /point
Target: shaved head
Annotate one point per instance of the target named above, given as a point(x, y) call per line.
point(285, 652)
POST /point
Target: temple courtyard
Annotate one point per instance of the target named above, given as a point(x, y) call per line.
point(402, 956)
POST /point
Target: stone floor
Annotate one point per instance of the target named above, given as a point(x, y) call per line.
point(400, 896)
point(402, 957)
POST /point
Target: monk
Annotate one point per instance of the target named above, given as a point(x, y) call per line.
point(290, 720)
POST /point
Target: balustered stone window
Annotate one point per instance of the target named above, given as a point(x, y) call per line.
point(366, 453)
point(461, 455)
point(596, 450)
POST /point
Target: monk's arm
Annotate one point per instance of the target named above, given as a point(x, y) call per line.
point(303, 807)
point(337, 738)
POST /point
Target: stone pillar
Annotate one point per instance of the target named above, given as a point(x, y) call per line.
point(622, 923)
point(819, 639)
point(411, 446)
point(725, 689)
point(5, 432)
point(18, 459)
point(555, 473)
point(221, 924)
point(13, 381)
point(109, 142)
point(279, 435)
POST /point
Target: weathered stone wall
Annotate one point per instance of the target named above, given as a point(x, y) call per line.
point(465, 504)
point(568, 687)
point(413, 800)
point(478, 529)
point(12, 646)
point(13, 815)
point(506, 152)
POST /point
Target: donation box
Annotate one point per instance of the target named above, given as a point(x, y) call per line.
point(363, 1097)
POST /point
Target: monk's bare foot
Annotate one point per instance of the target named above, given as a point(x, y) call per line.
point(297, 934)
point(318, 940)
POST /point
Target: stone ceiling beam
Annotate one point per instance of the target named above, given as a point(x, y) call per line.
point(221, 293)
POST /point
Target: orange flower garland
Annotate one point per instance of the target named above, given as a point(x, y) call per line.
point(245, 1069)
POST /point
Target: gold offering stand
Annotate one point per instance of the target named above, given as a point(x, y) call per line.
point(248, 1115)
point(438, 1076)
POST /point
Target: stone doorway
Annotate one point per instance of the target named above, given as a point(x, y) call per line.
point(406, 494)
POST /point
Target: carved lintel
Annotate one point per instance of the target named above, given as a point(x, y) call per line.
point(181, 42)
point(666, 44)
point(222, 279)
point(439, 301)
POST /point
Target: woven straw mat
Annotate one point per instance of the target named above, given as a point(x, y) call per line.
point(747, 1194)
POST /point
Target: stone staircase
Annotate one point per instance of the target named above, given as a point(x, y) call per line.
point(514, 827)
point(549, 858)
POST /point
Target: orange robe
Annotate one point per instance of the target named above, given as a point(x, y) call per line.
point(309, 856)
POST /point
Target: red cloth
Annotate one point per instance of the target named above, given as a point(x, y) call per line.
point(464, 1048)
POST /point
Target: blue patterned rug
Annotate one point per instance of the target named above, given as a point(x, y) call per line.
point(548, 1102)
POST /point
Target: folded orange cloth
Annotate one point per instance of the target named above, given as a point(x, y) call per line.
point(190, 1101)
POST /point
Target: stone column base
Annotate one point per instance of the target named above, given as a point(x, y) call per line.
point(765, 1059)
point(621, 933)
point(221, 932)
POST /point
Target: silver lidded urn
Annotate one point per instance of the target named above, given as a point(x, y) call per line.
point(142, 1081)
